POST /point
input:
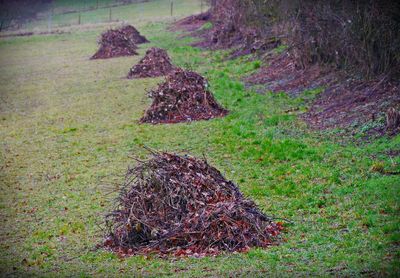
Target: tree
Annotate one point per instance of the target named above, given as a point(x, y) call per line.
point(19, 11)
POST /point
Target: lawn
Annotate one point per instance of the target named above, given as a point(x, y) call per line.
point(69, 127)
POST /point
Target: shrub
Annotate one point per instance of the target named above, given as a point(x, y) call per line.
point(361, 37)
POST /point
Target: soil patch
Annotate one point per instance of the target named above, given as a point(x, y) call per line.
point(119, 42)
point(155, 63)
point(191, 23)
point(283, 75)
point(181, 205)
point(182, 97)
point(354, 102)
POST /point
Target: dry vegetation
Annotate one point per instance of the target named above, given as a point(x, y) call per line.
point(349, 47)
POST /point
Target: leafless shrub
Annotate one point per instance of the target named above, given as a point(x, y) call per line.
point(358, 36)
point(361, 37)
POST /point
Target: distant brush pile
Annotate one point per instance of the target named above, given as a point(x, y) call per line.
point(134, 34)
point(183, 97)
point(119, 42)
point(182, 206)
point(155, 63)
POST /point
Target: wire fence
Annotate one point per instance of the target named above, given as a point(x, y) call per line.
point(93, 12)
point(94, 5)
point(110, 13)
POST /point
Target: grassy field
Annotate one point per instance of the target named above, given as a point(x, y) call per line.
point(68, 127)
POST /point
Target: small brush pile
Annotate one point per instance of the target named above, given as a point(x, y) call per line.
point(155, 63)
point(119, 42)
point(182, 97)
point(181, 205)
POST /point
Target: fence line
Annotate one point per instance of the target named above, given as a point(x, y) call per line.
point(81, 12)
point(97, 7)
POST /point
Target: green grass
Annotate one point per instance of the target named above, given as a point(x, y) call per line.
point(69, 126)
point(206, 26)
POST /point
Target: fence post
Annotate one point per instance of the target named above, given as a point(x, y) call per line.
point(97, 4)
point(172, 8)
point(110, 15)
point(201, 6)
point(79, 18)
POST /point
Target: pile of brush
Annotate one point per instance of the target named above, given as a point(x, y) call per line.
point(119, 42)
point(155, 63)
point(182, 97)
point(181, 205)
point(133, 33)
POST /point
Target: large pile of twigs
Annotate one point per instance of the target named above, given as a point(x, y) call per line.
point(155, 63)
point(181, 205)
point(119, 42)
point(182, 97)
